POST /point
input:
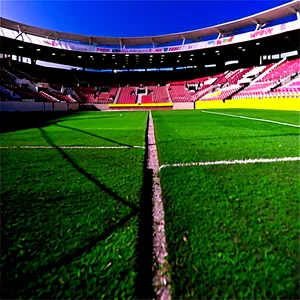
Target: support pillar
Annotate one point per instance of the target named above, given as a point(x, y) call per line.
point(183, 41)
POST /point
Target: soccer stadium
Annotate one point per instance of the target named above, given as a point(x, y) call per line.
point(152, 167)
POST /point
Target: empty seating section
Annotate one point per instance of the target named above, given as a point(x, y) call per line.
point(290, 89)
point(159, 94)
point(91, 95)
point(198, 80)
point(6, 95)
point(221, 94)
point(220, 79)
point(113, 92)
point(272, 80)
point(48, 97)
point(238, 76)
point(78, 97)
point(283, 70)
point(147, 99)
point(23, 92)
point(179, 93)
point(127, 96)
point(87, 94)
point(5, 77)
point(263, 87)
point(255, 89)
point(255, 71)
point(62, 97)
point(201, 92)
point(107, 97)
point(22, 75)
point(266, 69)
point(56, 87)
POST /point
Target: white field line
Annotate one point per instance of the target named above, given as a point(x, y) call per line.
point(232, 162)
point(161, 278)
point(71, 147)
point(249, 118)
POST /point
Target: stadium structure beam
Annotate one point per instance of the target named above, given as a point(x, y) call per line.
point(121, 44)
point(221, 33)
point(153, 43)
point(90, 40)
point(51, 34)
point(19, 34)
point(295, 11)
point(183, 40)
point(21, 31)
point(259, 25)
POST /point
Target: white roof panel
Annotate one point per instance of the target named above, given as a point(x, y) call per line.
point(276, 13)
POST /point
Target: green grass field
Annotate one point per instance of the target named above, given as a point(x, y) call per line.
point(71, 216)
point(75, 222)
point(232, 230)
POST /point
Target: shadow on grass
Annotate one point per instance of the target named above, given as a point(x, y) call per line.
point(13, 121)
point(93, 135)
point(143, 284)
point(143, 287)
point(86, 174)
point(95, 118)
point(12, 289)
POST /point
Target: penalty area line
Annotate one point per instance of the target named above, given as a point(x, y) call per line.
point(250, 118)
point(71, 147)
point(231, 162)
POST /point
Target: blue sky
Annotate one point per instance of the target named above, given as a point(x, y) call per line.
point(130, 18)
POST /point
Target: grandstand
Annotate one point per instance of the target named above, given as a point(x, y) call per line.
point(188, 72)
point(263, 81)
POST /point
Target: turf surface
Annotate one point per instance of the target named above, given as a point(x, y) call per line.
point(72, 221)
point(192, 136)
point(83, 129)
point(290, 117)
point(232, 230)
point(71, 216)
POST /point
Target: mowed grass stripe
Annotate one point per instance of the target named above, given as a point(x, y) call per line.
point(192, 136)
point(71, 217)
point(233, 231)
point(70, 130)
point(71, 147)
point(250, 118)
point(292, 117)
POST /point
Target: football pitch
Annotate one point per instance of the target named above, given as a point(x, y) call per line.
point(75, 222)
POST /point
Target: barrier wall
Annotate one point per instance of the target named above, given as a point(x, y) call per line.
point(255, 103)
point(37, 106)
point(183, 105)
point(101, 106)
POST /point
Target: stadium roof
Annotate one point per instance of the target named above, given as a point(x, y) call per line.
point(276, 13)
